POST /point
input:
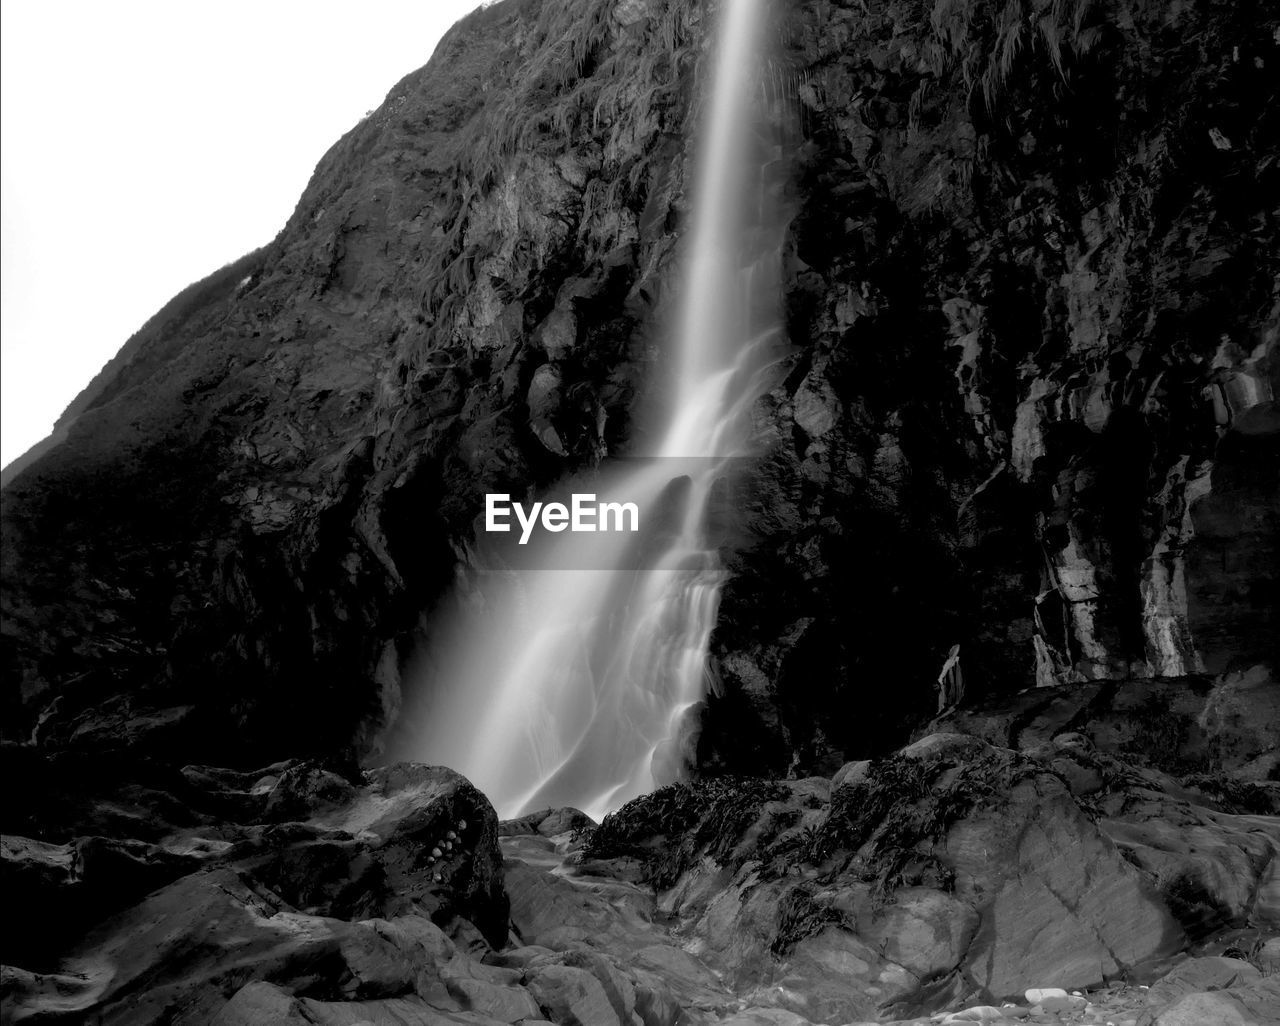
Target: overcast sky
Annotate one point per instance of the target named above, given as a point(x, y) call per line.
point(146, 144)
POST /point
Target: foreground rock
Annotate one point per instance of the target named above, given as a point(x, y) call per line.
point(952, 875)
point(950, 872)
point(955, 880)
point(324, 884)
point(1213, 990)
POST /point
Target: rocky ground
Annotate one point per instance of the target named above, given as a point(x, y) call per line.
point(1055, 878)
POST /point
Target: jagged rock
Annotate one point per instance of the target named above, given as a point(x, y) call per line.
point(364, 851)
point(953, 869)
point(55, 890)
point(850, 773)
point(178, 954)
point(494, 1000)
point(1177, 726)
point(271, 905)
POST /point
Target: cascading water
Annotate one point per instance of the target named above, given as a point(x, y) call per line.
point(572, 686)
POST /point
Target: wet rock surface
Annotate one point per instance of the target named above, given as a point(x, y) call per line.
point(954, 880)
point(952, 874)
point(322, 882)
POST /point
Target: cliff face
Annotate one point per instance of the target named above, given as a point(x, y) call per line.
point(1034, 412)
point(232, 544)
point(1030, 408)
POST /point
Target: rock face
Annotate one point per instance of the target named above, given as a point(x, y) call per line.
point(1026, 287)
point(230, 544)
point(1029, 407)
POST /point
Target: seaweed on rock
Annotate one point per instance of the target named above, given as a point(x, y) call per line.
point(672, 828)
point(886, 827)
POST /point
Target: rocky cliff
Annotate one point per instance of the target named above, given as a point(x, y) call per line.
point(1029, 409)
point(1033, 412)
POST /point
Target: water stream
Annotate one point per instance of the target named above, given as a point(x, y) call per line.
point(576, 682)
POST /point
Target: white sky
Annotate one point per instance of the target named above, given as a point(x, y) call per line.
point(146, 144)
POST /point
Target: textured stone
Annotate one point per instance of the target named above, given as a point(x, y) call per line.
point(1201, 974)
point(924, 931)
point(573, 995)
point(1197, 1009)
point(1058, 888)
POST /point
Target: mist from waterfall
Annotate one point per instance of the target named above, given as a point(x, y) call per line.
point(581, 687)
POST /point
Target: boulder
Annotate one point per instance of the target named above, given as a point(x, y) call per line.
point(573, 995)
point(925, 931)
point(1201, 974)
point(1058, 903)
point(55, 890)
point(397, 847)
point(850, 773)
point(1219, 1007)
point(412, 840)
point(260, 1004)
point(1213, 869)
point(180, 953)
point(547, 823)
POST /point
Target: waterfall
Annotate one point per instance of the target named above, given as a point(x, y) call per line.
point(573, 683)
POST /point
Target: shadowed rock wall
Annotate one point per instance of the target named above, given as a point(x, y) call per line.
point(1032, 412)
